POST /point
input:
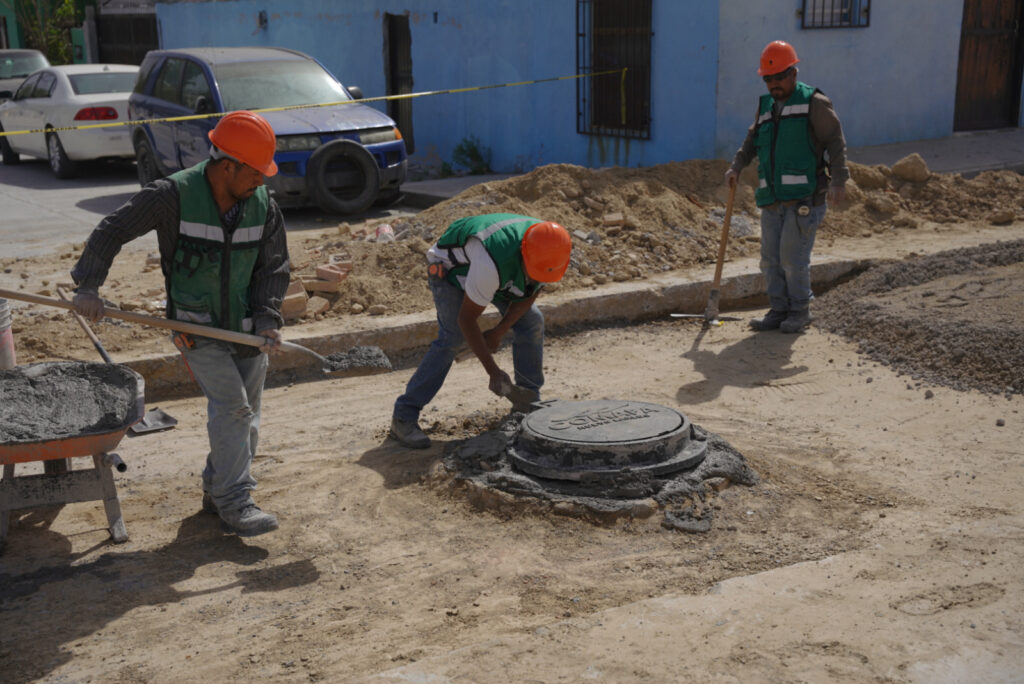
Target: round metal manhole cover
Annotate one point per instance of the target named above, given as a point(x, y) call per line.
point(578, 440)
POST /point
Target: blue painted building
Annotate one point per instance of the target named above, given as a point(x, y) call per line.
point(894, 78)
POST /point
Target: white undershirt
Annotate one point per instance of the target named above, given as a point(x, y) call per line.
point(481, 281)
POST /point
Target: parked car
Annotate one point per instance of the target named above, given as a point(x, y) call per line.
point(341, 157)
point(65, 96)
point(15, 66)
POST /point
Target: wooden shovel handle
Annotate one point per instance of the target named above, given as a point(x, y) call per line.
point(725, 236)
point(143, 319)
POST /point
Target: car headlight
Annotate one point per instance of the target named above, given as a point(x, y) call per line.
point(379, 135)
point(290, 143)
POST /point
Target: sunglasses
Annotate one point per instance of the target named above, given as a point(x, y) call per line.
point(781, 76)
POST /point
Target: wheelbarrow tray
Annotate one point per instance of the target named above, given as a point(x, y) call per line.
point(91, 443)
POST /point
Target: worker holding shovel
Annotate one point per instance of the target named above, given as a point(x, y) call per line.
point(502, 259)
point(795, 128)
point(224, 257)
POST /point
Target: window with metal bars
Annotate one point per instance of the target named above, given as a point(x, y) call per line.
point(610, 35)
point(836, 14)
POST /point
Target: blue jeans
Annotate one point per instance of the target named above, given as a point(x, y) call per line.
point(786, 243)
point(527, 351)
point(233, 387)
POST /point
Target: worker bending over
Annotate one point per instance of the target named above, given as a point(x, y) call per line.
point(225, 263)
point(502, 259)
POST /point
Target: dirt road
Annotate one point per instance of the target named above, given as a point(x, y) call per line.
point(883, 541)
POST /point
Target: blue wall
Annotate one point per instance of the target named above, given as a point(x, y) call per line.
point(474, 43)
point(892, 81)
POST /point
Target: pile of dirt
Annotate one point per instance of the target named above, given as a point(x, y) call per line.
point(952, 318)
point(633, 223)
point(627, 223)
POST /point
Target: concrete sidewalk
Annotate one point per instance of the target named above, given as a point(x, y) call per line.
point(965, 153)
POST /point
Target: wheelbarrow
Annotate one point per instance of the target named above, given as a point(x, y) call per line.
point(62, 485)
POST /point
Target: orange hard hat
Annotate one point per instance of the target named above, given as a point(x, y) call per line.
point(546, 250)
point(247, 137)
point(776, 57)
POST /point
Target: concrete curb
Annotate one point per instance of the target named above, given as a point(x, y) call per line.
point(402, 340)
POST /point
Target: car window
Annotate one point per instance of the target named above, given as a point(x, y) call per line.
point(26, 88)
point(169, 81)
point(20, 66)
point(254, 85)
point(194, 85)
point(87, 84)
point(144, 71)
point(45, 84)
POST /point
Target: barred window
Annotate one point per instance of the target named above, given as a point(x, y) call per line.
point(612, 34)
point(836, 14)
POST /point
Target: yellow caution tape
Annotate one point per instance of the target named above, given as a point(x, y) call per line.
point(382, 98)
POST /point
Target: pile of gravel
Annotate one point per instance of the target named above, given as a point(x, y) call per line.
point(952, 318)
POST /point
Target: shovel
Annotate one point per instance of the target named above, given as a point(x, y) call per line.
point(711, 316)
point(359, 361)
point(155, 418)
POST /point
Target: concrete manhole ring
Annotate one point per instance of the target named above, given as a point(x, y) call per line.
point(585, 440)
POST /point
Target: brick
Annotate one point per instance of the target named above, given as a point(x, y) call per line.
point(333, 272)
point(295, 287)
point(294, 306)
point(317, 305)
point(614, 219)
point(320, 285)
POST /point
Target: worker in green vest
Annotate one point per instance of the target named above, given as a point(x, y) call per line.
point(224, 258)
point(801, 166)
point(503, 259)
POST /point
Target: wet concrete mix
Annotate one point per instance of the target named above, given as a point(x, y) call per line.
point(358, 361)
point(952, 318)
point(56, 400)
point(481, 466)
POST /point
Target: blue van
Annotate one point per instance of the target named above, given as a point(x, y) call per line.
point(341, 157)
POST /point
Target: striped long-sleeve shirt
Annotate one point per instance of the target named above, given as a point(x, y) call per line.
point(156, 207)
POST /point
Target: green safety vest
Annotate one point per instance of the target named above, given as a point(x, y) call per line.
point(787, 165)
point(502, 235)
point(212, 268)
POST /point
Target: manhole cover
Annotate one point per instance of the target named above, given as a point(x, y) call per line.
point(584, 440)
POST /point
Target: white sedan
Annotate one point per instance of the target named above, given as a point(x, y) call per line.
point(66, 96)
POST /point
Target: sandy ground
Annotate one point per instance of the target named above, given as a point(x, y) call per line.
point(883, 541)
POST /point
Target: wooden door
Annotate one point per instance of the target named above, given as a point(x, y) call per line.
point(989, 75)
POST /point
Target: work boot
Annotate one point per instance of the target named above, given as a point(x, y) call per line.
point(408, 434)
point(796, 321)
point(208, 505)
point(247, 521)
point(770, 321)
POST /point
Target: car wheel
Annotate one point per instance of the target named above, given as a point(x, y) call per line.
point(10, 157)
point(145, 162)
point(61, 166)
point(342, 177)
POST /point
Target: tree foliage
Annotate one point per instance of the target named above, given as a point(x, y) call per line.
point(46, 25)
